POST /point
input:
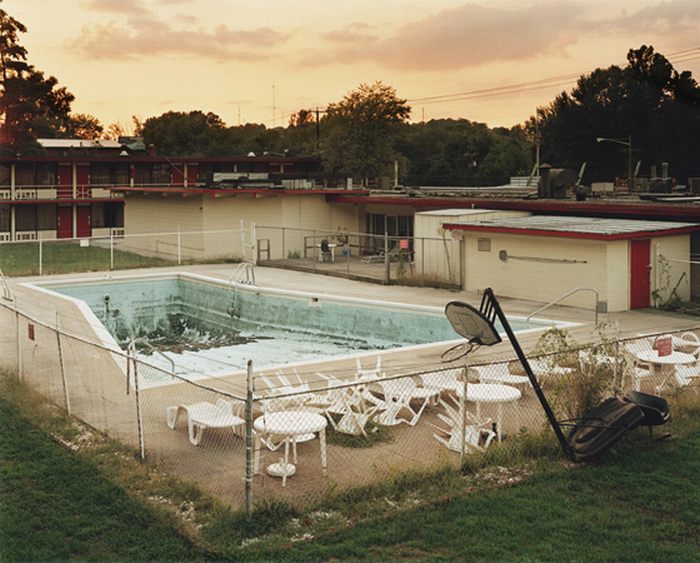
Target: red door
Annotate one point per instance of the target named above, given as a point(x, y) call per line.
point(65, 181)
point(83, 181)
point(640, 268)
point(192, 175)
point(84, 222)
point(64, 221)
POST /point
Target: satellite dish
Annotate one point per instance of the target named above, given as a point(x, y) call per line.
point(469, 322)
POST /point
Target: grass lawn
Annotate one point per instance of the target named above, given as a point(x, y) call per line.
point(642, 503)
point(55, 506)
point(66, 257)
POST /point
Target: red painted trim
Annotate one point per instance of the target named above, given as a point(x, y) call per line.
point(571, 234)
point(162, 159)
point(61, 201)
point(620, 209)
point(226, 191)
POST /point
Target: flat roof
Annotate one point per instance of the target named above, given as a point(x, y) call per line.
point(595, 228)
point(79, 144)
point(456, 211)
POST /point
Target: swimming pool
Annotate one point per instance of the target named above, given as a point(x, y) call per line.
point(206, 326)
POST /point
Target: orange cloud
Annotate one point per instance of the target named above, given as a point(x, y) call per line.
point(148, 37)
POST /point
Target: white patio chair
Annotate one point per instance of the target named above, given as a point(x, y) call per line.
point(352, 406)
point(222, 414)
point(443, 380)
point(368, 374)
point(687, 375)
point(398, 394)
point(500, 373)
point(477, 434)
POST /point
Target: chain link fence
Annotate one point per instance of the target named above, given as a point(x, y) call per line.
point(408, 260)
point(119, 251)
point(299, 434)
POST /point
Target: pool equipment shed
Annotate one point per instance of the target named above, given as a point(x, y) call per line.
point(631, 263)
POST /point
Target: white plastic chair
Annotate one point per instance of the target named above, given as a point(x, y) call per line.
point(500, 373)
point(477, 434)
point(398, 394)
point(443, 380)
point(687, 375)
point(222, 414)
point(353, 406)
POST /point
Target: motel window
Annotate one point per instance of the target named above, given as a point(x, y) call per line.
point(161, 173)
point(4, 175)
point(4, 218)
point(45, 175)
point(24, 174)
point(143, 174)
point(26, 217)
point(119, 174)
point(46, 217)
point(99, 174)
point(107, 214)
point(483, 244)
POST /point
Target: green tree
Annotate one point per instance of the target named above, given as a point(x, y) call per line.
point(32, 105)
point(194, 133)
point(362, 130)
point(647, 100)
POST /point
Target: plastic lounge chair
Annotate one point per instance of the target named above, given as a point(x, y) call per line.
point(348, 409)
point(656, 410)
point(221, 414)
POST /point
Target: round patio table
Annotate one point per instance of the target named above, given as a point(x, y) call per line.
point(491, 393)
point(289, 425)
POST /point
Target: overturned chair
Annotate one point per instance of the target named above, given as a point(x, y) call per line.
point(590, 435)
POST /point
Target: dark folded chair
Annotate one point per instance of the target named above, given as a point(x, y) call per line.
point(656, 410)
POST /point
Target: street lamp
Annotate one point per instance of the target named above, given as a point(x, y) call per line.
point(628, 144)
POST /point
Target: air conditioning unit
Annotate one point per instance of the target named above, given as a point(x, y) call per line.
point(26, 194)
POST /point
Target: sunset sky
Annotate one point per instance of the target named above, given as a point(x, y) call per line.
point(145, 57)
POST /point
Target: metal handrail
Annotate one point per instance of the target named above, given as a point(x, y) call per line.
point(6, 293)
point(567, 294)
point(249, 270)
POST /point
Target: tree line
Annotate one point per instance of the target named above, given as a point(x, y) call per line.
point(368, 134)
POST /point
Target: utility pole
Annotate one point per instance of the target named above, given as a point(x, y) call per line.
point(318, 132)
point(273, 104)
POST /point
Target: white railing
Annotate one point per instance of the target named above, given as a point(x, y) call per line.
point(562, 297)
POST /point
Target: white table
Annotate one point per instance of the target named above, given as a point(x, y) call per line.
point(661, 364)
point(491, 393)
point(331, 247)
point(289, 425)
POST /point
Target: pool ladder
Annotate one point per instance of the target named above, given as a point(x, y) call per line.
point(243, 273)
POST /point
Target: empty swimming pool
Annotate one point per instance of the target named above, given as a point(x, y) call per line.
point(206, 326)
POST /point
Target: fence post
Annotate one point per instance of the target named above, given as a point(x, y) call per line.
point(19, 342)
point(60, 363)
point(41, 257)
point(254, 243)
point(387, 259)
point(249, 453)
point(422, 254)
point(139, 420)
point(179, 248)
point(462, 264)
point(284, 254)
point(463, 410)
point(111, 249)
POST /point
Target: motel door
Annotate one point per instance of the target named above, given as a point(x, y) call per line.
point(83, 181)
point(64, 221)
point(84, 221)
point(65, 181)
point(640, 269)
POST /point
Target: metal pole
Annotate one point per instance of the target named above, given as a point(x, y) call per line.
point(387, 263)
point(254, 243)
point(463, 410)
point(179, 248)
point(111, 250)
point(629, 163)
point(41, 257)
point(139, 420)
point(249, 453)
point(60, 363)
point(284, 253)
point(19, 343)
point(422, 254)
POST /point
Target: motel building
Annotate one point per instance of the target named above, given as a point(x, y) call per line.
point(634, 254)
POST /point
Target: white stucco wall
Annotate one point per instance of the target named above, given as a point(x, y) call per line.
point(669, 274)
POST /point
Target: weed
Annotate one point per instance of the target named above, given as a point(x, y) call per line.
point(375, 434)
